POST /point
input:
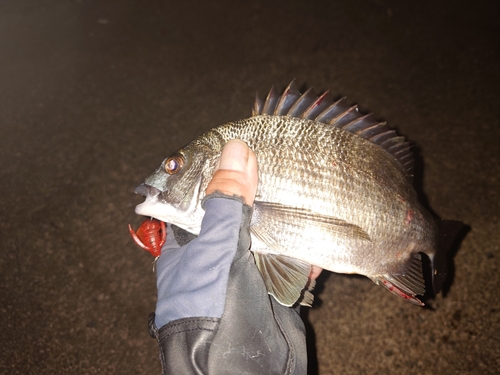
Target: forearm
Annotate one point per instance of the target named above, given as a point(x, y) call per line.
point(192, 281)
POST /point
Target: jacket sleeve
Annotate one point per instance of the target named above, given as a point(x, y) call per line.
point(254, 335)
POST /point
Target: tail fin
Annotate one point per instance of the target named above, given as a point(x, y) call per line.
point(449, 231)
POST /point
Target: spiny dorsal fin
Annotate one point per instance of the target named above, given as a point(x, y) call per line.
point(338, 114)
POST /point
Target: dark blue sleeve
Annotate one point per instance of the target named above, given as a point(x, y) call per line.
point(192, 279)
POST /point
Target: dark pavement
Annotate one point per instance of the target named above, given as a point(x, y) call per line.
point(94, 94)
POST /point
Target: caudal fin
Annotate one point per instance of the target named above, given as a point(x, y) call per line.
point(449, 231)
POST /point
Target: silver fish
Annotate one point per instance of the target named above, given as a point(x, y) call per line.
point(334, 191)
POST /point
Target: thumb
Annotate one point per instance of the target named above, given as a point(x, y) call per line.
point(236, 172)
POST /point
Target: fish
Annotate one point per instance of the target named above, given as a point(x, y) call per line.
point(335, 191)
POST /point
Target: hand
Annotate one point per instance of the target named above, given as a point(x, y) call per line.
point(213, 304)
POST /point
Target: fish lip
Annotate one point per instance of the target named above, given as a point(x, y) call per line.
point(147, 190)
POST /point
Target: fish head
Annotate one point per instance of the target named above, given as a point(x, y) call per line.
point(175, 189)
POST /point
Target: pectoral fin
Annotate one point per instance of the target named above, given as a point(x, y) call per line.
point(286, 279)
point(270, 216)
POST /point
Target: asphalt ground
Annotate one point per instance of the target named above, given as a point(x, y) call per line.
point(94, 94)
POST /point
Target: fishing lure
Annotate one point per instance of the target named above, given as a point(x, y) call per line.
point(151, 236)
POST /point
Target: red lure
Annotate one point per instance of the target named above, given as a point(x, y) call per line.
point(151, 236)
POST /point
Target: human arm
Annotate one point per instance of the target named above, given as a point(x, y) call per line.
point(213, 310)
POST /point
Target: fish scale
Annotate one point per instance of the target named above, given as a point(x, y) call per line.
point(322, 188)
point(334, 191)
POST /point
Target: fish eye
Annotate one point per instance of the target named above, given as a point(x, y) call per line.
point(173, 164)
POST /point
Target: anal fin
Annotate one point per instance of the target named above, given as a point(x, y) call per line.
point(287, 279)
point(407, 285)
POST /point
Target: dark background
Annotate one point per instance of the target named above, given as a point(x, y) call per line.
point(94, 94)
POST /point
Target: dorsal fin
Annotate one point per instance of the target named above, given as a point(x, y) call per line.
point(338, 114)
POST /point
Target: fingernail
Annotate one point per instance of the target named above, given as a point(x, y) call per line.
point(234, 156)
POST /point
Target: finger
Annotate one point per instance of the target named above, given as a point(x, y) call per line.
point(236, 172)
point(315, 271)
point(234, 156)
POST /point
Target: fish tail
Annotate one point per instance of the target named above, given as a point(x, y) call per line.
point(449, 233)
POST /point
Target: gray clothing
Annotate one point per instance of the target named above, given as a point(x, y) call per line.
point(252, 333)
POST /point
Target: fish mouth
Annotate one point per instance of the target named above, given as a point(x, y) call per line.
point(147, 191)
point(150, 205)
